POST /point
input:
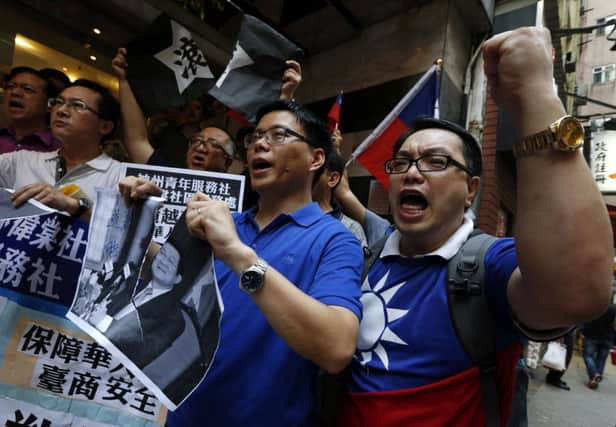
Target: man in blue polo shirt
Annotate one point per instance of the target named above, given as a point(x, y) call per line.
point(289, 278)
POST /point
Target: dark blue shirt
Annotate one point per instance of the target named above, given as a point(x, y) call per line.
point(256, 379)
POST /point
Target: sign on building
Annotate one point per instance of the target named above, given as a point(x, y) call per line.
point(603, 160)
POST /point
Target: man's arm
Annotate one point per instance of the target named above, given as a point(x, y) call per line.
point(134, 128)
point(327, 335)
point(563, 239)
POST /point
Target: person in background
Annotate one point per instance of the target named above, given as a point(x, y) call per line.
point(554, 377)
point(599, 338)
point(56, 77)
point(83, 116)
point(323, 194)
point(26, 91)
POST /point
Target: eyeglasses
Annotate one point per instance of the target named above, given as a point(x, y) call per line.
point(27, 89)
point(427, 163)
point(73, 104)
point(273, 136)
point(209, 144)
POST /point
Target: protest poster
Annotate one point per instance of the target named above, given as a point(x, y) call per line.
point(52, 374)
point(178, 187)
point(159, 314)
point(41, 251)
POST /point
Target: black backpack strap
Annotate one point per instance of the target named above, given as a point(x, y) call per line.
point(471, 318)
point(371, 254)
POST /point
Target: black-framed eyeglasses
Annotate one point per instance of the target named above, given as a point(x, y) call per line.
point(209, 144)
point(26, 88)
point(426, 163)
point(73, 104)
point(274, 136)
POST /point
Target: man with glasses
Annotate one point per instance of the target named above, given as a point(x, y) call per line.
point(289, 280)
point(82, 117)
point(26, 91)
point(410, 367)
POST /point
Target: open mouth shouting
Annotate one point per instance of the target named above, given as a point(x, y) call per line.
point(412, 204)
point(16, 106)
point(259, 167)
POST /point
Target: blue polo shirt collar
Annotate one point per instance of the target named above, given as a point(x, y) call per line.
point(305, 216)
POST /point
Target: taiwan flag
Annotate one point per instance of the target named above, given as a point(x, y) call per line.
point(376, 149)
point(333, 117)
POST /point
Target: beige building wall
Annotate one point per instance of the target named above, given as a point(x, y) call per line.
point(596, 53)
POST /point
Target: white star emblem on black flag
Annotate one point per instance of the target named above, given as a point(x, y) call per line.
point(184, 58)
point(240, 59)
point(253, 76)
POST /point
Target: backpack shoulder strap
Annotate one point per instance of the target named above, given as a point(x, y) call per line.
point(371, 254)
point(471, 318)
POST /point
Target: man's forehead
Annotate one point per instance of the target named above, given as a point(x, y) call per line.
point(79, 92)
point(282, 118)
point(213, 132)
point(26, 76)
point(431, 139)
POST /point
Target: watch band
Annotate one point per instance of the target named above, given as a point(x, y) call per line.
point(253, 278)
point(565, 134)
point(537, 142)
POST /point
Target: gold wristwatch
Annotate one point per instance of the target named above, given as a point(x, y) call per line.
point(565, 134)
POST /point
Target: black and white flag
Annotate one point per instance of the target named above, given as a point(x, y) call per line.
point(166, 67)
point(253, 76)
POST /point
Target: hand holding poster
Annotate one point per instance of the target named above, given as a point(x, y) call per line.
point(161, 320)
point(179, 185)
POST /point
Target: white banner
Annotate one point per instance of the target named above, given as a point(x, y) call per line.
point(603, 160)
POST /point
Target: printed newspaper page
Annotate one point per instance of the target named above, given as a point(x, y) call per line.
point(178, 187)
point(155, 308)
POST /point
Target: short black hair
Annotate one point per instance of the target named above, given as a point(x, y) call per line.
point(316, 130)
point(108, 105)
point(335, 162)
point(52, 73)
point(49, 87)
point(470, 147)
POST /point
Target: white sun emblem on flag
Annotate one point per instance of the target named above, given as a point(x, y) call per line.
point(377, 316)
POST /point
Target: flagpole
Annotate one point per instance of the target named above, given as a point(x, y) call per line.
point(437, 106)
point(339, 94)
point(393, 113)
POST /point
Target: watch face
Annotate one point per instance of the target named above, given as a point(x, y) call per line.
point(571, 133)
point(251, 280)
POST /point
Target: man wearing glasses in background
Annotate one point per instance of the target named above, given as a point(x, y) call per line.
point(82, 117)
point(25, 105)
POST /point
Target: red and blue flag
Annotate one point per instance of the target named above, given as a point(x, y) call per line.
point(376, 149)
point(333, 117)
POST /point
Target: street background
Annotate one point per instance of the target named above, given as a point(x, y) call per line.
point(579, 407)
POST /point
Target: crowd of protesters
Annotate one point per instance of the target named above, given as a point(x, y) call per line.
point(290, 271)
